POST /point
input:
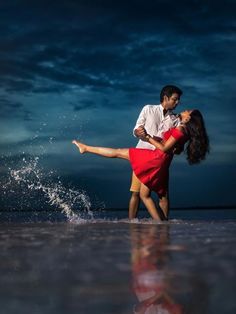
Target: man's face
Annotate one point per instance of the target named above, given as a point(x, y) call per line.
point(172, 101)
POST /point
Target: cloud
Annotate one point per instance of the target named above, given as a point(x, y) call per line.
point(70, 50)
point(14, 110)
point(85, 69)
point(12, 133)
point(84, 104)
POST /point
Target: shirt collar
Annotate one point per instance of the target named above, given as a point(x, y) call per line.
point(167, 112)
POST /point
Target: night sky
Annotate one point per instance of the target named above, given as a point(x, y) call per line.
point(84, 70)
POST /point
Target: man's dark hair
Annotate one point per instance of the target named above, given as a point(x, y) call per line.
point(169, 90)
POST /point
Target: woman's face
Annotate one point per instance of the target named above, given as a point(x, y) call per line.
point(186, 115)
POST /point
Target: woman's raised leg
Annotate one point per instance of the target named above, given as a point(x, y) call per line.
point(122, 153)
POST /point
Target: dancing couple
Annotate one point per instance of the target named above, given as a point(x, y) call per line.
point(161, 135)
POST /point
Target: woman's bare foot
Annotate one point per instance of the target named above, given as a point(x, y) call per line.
point(81, 146)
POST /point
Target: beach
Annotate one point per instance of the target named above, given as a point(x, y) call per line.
point(116, 266)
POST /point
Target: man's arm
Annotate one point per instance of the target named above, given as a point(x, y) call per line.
point(139, 130)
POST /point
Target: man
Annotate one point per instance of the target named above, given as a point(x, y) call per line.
point(155, 119)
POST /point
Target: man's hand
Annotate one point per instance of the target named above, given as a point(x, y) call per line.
point(140, 132)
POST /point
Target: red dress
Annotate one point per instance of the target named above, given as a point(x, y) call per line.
point(152, 166)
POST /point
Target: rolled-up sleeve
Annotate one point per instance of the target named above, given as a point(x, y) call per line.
point(141, 119)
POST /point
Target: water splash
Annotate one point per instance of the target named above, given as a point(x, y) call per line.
point(67, 200)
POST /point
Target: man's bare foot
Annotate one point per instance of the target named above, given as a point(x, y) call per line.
point(81, 146)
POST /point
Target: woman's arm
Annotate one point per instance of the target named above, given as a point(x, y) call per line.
point(164, 146)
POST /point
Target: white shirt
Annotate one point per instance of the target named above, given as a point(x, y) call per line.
point(155, 123)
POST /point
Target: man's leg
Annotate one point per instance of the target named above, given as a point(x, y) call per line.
point(135, 198)
point(134, 205)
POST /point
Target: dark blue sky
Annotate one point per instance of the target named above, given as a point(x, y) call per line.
point(84, 69)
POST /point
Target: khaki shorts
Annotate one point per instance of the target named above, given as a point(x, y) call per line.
point(135, 184)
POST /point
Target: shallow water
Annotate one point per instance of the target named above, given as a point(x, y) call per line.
point(114, 266)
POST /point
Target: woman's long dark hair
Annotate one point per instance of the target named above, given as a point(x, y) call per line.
point(198, 144)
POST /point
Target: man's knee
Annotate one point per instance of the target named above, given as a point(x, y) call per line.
point(135, 195)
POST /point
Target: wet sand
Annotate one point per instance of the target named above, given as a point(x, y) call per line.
point(118, 267)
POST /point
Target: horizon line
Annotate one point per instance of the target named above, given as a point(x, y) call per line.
point(219, 207)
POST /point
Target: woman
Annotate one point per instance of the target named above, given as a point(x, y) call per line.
point(151, 166)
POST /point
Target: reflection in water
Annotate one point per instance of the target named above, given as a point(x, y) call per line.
point(58, 268)
point(151, 279)
point(161, 283)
